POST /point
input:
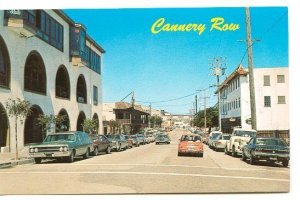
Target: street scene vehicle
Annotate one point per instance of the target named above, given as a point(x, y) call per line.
point(266, 148)
point(118, 142)
point(220, 142)
point(66, 145)
point(135, 140)
point(162, 138)
point(213, 136)
point(190, 144)
point(129, 141)
point(100, 144)
point(239, 138)
point(142, 138)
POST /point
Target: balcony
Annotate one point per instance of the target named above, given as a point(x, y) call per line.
point(123, 121)
point(78, 50)
point(21, 21)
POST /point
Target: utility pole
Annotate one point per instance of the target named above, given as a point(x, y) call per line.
point(149, 123)
point(218, 70)
point(205, 115)
point(250, 66)
point(196, 102)
point(132, 99)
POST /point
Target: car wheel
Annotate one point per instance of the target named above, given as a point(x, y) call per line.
point(71, 157)
point(95, 153)
point(179, 154)
point(119, 147)
point(201, 155)
point(226, 151)
point(233, 153)
point(37, 160)
point(86, 155)
point(285, 163)
point(244, 158)
point(108, 150)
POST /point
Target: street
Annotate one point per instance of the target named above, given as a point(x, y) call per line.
point(150, 169)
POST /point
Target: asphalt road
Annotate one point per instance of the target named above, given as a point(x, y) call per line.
point(148, 169)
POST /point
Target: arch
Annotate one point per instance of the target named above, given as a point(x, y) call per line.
point(62, 83)
point(35, 79)
point(4, 127)
point(96, 118)
point(33, 133)
point(65, 125)
point(4, 65)
point(81, 90)
point(80, 119)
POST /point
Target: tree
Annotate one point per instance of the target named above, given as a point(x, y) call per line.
point(114, 125)
point(89, 126)
point(211, 118)
point(47, 121)
point(155, 121)
point(18, 109)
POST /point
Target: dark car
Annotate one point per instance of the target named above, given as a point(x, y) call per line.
point(101, 144)
point(266, 148)
point(162, 138)
point(62, 145)
point(118, 142)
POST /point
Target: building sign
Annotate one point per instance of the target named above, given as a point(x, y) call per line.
point(14, 13)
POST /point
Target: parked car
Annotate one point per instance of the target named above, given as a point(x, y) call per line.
point(118, 142)
point(151, 138)
point(190, 144)
point(162, 138)
point(142, 138)
point(220, 142)
point(129, 141)
point(135, 140)
point(213, 136)
point(238, 139)
point(100, 144)
point(266, 148)
point(62, 145)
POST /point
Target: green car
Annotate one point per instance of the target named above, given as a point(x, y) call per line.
point(64, 145)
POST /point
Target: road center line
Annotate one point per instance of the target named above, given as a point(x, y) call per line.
point(149, 173)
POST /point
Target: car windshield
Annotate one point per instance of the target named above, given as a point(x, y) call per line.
point(163, 136)
point(60, 137)
point(246, 133)
point(270, 141)
point(190, 138)
point(216, 136)
point(226, 137)
point(112, 136)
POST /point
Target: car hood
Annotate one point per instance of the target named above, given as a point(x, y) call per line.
point(273, 147)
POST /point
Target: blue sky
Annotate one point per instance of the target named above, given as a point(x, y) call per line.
point(168, 65)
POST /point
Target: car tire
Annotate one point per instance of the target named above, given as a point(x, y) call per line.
point(200, 155)
point(244, 158)
point(71, 157)
point(37, 160)
point(108, 150)
point(252, 161)
point(86, 155)
point(225, 150)
point(95, 152)
point(179, 154)
point(285, 163)
point(119, 147)
point(233, 153)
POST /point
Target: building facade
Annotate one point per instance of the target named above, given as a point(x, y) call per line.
point(271, 98)
point(49, 60)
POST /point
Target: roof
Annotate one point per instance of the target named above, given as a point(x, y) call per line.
point(124, 105)
point(239, 71)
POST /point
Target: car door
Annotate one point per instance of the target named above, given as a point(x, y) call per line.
point(102, 143)
point(248, 147)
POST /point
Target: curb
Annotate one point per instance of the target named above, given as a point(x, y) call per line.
point(14, 163)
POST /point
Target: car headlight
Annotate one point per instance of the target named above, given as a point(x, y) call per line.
point(31, 150)
point(36, 150)
point(61, 149)
point(65, 148)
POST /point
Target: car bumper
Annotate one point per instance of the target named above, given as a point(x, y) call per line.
point(50, 154)
point(271, 156)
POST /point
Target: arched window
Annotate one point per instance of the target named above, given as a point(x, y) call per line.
point(81, 90)
point(4, 65)
point(3, 127)
point(80, 119)
point(65, 125)
point(96, 118)
point(33, 133)
point(35, 74)
point(62, 83)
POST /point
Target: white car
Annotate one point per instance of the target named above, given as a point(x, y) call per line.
point(212, 136)
point(239, 138)
point(220, 142)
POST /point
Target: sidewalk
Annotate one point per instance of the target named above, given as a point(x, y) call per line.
point(8, 159)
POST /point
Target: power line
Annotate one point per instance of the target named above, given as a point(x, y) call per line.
point(169, 99)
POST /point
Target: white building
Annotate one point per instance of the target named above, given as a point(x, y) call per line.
point(49, 60)
point(271, 98)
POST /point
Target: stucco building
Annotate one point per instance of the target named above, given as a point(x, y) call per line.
point(49, 60)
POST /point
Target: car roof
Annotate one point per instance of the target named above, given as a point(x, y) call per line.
point(190, 134)
point(69, 132)
point(243, 129)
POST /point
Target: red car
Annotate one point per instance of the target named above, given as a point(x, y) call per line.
point(190, 144)
point(100, 144)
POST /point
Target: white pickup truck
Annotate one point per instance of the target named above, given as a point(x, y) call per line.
point(239, 138)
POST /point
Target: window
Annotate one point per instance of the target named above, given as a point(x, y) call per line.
point(267, 80)
point(95, 95)
point(267, 101)
point(281, 99)
point(280, 79)
point(4, 65)
point(62, 83)
point(81, 90)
